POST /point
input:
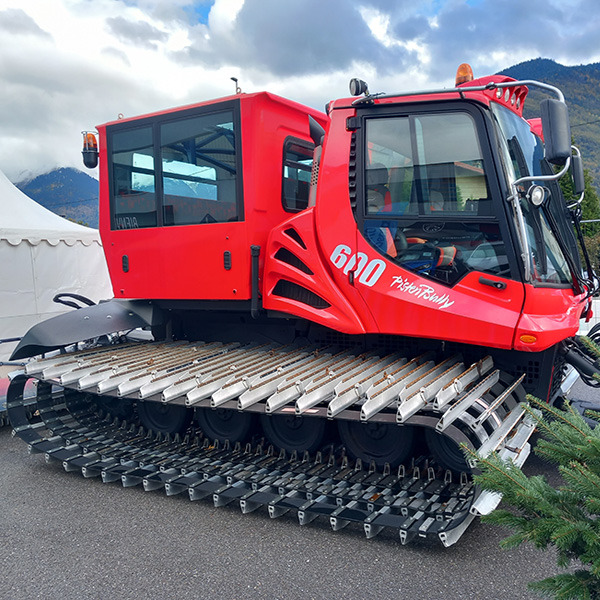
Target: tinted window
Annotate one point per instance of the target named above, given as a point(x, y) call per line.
point(134, 197)
point(428, 164)
point(199, 170)
point(427, 204)
point(175, 172)
point(297, 166)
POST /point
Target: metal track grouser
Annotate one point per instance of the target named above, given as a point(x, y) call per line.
point(418, 498)
point(373, 287)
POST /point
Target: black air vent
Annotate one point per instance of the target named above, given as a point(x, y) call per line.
point(284, 255)
point(292, 233)
point(287, 289)
point(352, 172)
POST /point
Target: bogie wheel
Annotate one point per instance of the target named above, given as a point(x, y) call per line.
point(165, 418)
point(294, 433)
point(116, 407)
point(222, 424)
point(379, 442)
point(446, 452)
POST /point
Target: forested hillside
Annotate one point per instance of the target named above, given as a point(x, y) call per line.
point(581, 86)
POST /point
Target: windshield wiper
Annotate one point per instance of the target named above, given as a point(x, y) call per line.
point(578, 286)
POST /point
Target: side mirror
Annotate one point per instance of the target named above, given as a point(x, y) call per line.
point(557, 131)
point(577, 173)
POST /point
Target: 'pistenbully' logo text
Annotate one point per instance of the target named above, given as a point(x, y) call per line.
point(421, 290)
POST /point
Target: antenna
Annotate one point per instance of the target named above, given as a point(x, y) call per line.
point(238, 89)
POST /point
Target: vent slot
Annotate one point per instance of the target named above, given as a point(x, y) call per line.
point(532, 370)
point(293, 291)
point(352, 172)
point(293, 234)
point(284, 255)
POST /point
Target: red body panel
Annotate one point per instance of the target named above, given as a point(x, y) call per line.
point(340, 315)
point(550, 315)
point(342, 281)
point(396, 301)
point(186, 262)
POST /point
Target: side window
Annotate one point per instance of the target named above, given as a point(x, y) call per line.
point(427, 204)
point(297, 166)
point(133, 180)
point(389, 175)
point(451, 174)
point(199, 170)
point(429, 164)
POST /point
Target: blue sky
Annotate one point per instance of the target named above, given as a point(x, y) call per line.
point(68, 65)
point(200, 10)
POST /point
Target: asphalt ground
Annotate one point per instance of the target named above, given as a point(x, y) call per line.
point(66, 537)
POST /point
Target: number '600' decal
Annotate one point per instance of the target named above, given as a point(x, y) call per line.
point(366, 271)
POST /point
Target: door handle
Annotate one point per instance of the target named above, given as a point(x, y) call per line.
point(499, 285)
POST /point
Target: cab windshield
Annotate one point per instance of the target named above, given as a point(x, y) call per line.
point(523, 156)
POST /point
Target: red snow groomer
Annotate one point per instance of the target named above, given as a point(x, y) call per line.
point(336, 301)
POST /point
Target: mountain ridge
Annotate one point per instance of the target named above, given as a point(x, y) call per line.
point(68, 192)
point(579, 85)
point(74, 194)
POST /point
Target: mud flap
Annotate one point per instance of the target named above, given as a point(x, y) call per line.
point(84, 324)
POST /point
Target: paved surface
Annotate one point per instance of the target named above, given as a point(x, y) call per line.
point(66, 537)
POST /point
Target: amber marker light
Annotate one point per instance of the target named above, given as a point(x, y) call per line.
point(464, 74)
point(90, 150)
point(89, 141)
point(527, 338)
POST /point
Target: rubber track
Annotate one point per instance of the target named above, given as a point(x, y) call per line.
point(416, 501)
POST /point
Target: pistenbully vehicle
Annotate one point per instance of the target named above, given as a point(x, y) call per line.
point(337, 301)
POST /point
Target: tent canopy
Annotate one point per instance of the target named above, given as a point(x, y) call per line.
point(41, 255)
point(23, 219)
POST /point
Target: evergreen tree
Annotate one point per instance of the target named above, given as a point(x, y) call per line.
point(590, 206)
point(566, 518)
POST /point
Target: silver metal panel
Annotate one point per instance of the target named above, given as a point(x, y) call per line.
point(467, 400)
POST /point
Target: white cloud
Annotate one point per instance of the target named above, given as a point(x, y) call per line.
point(67, 65)
point(223, 14)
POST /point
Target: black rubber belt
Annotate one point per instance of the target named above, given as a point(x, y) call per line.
point(66, 428)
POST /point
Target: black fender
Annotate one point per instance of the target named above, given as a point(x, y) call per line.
point(85, 324)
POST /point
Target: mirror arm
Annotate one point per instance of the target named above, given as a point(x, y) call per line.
point(544, 177)
point(577, 202)
point(581, 196)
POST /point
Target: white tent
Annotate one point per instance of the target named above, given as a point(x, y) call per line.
point(41, 255)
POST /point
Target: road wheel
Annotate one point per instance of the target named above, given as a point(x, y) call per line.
point(223, 424)
point(294, 433)
point(165, 418)
point(379, 442)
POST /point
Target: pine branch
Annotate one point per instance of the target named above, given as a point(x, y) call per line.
point(590, 345)
point(586, 482)
point(558, 415)
point(571, 586)
point(497, 466)
point(564, 518)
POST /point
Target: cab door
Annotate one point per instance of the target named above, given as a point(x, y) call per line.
point(429, 210)
point(175, 225)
